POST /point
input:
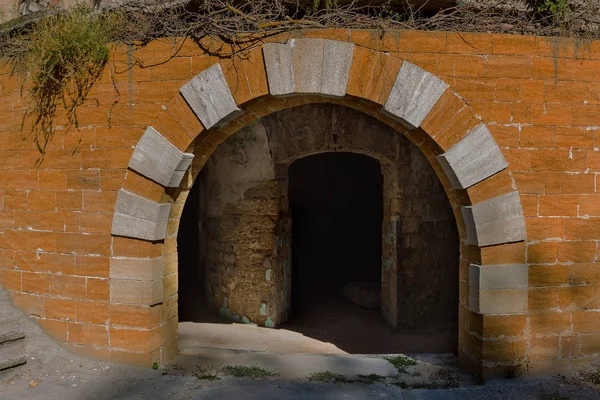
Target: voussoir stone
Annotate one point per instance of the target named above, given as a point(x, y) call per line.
point(140, 218)
point(280, 69)
point(308, 66)
point(413, 95)
point(473, 159)
point(158, 159)
point(495, 221)
point(208, 95)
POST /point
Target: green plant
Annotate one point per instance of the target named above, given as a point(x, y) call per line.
point(155, 366)
point(558, 9)
point(400, 362)
point(208, 373)
point(66, 53)
point(252, 372)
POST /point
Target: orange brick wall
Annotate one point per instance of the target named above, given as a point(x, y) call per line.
point(540, 98)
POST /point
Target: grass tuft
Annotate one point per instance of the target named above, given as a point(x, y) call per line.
point(208, 373)
point(252, 372)
point(401, 362)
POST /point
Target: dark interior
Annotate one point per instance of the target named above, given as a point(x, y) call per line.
point(191, 275)
point(336, 204)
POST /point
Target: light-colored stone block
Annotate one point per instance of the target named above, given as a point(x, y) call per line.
point(495, 221)
point(307, 55)
point(490, 277)
point(337, 60)
point(413, 95)
point(280, 69)
point(136, 292)
point(140, 218)
point(473, 159)
point(158, 159)
point(499, 301)
point(210, 98)
point(140, 269)
point(181, 169)
point(308, 66)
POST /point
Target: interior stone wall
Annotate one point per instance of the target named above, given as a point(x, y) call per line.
point(245, 223)
point(427, 244)
point(239, 212)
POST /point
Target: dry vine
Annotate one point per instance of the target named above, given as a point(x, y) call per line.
point(65, 52)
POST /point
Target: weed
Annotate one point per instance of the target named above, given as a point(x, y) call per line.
point(252, 372)
point(155, 366)
point(66, 54)
point(558, 9)
point(515, 369)
point(329, 377)
point(208, 373)
point(401, 362)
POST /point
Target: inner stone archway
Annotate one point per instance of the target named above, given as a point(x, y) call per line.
point(252, 233)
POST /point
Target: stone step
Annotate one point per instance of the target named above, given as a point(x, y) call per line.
point(12, 349)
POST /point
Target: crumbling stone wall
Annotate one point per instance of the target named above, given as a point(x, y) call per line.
point(244, 193)
point(239, 212)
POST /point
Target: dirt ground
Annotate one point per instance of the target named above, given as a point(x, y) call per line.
point(52, 373)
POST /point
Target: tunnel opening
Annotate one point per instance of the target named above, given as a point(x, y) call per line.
point(319, 220)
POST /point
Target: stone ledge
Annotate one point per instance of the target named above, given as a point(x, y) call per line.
point(495, 221)
point(140, 218)
point(308, 66)
point(473, 159)
point(158, 159)
point(209, 97)
point(413, 95)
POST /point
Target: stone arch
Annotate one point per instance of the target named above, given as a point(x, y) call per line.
point(216, 103)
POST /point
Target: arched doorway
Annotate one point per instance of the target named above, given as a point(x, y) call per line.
point(405, 97)
point(307, 200)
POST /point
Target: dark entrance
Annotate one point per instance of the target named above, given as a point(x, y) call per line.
point(192, 298)
point(336, 202)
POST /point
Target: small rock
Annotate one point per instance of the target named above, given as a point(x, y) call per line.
point(33, 383)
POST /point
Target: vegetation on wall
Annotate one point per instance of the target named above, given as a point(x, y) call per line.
point(65, 55)
point(64, 52)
